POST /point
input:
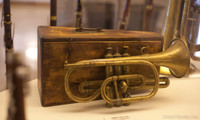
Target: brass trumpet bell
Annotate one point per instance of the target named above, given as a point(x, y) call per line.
point(176, 58)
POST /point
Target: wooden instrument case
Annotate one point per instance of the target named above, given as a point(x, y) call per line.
point(59, 44)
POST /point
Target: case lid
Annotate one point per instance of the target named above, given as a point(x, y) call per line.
point(49, 33)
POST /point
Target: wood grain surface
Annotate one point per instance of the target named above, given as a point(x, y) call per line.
point(59, 44)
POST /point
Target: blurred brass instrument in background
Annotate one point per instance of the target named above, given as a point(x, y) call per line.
point(183, 22)
point(119, 84)
point(193, 29)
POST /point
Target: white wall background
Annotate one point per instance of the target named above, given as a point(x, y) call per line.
point(2, 61)
point(24, 31)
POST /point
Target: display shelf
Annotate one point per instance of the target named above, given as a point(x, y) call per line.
point(181, 100)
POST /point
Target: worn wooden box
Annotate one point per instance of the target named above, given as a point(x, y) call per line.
point(58, 44)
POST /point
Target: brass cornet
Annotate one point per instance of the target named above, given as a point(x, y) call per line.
point(117, 87)
point(176, 57)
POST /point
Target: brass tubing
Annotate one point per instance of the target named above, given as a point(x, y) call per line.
point(193, 47)
point(134, 99)
point(87, 86)
point(97, 93)
point(71, 95)
point(173, 22)
point(91, 86)
point(118, 71)
point(184, 22)
point(109, 69)
point(109, 72)
point(150, 83)
point(126, 69)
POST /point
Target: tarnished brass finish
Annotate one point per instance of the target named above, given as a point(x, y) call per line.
point(177, 24)
point(109, 69)
point(115, 90)
point(126, 69)
point(176, 58)
point(129, 77)
point(137, 83)
point(109, 73)
point(195, 30)
point(174, 22)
